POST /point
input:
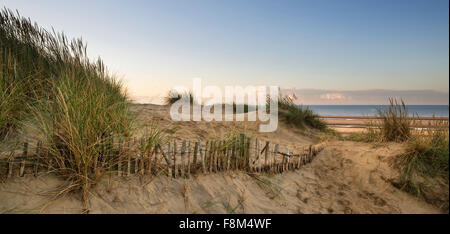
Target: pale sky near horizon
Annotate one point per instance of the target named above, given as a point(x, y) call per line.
point(330, 45)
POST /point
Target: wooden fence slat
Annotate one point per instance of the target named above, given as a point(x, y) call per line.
point(141, 156)
point(183, 152)
point(189, 159)
point(119, 158)
point(202, 156)
point(257, 153)
point(215, 157)
point(234, 155)
point(288, 159)
point(136, 159)
point(306, 154)
point(266, 153)
point(276, 164)
point(37, 161)
point(228, 149)
point(129, 158)
point(175, 166)
point(242, 153)
point(210, 156)
point(206, 155)
point(195, 156)
point(310, 153)
point(168, 160)
point(10, 168)
point(223, 155)
point(24, 155)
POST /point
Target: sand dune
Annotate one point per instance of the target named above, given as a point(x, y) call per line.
point(346, 177)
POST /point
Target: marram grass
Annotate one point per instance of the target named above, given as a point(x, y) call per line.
point(74, 105)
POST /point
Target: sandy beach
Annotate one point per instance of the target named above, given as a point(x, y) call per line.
point(352, 123)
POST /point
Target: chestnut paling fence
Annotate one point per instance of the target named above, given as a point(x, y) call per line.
point(176, 158)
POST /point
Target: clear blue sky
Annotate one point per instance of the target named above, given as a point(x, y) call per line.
point(337, 45)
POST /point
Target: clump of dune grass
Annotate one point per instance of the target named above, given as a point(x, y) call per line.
point(12, 98)
point(173, 96)
point(84, 114)
point(298, 116)
point(74, 105)
point(393, 124)
point(153, 137)
point(395, 121)
point(272, 190)
point(424, 166)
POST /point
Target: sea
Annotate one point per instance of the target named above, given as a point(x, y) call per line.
point(358, 110)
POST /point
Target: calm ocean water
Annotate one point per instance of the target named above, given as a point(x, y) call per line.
point(421, 110)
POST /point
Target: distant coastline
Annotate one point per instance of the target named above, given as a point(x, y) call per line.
point(371, 110)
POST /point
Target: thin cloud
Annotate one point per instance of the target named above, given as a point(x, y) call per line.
point(367, 97)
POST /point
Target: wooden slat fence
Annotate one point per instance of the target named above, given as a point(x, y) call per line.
point(177, 159)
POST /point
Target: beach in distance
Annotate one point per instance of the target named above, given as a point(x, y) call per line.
point(371, 110)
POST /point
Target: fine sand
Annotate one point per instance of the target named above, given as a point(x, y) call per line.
point(346, 177)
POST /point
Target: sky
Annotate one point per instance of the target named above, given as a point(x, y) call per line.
point(330, 46)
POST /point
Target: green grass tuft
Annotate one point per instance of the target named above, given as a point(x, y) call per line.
point(298, 116)
point(48, 82)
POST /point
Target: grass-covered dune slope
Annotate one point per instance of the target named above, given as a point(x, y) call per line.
point(47, 82)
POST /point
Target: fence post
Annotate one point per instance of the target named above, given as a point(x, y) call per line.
point(266, 154)
point(310, 153)
point(210, 156)
point(217, 156)
point(157, 151)
point(169, 166)
point(175, 166)
point(141, 156)
point(206, 155)
point(129, 158)
point(299, 160)
point(10, 167)
point(202, 156)
point(37, 161)
point(189, 160)
point(24, 155)
point(183, 152)
point(136, 158)
point(257, 153)
point(119, 157)
point(242, 153)
point(288, 160)
point(194, 162)
point(223, 157)
point(228, 149)
point(276, 168)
